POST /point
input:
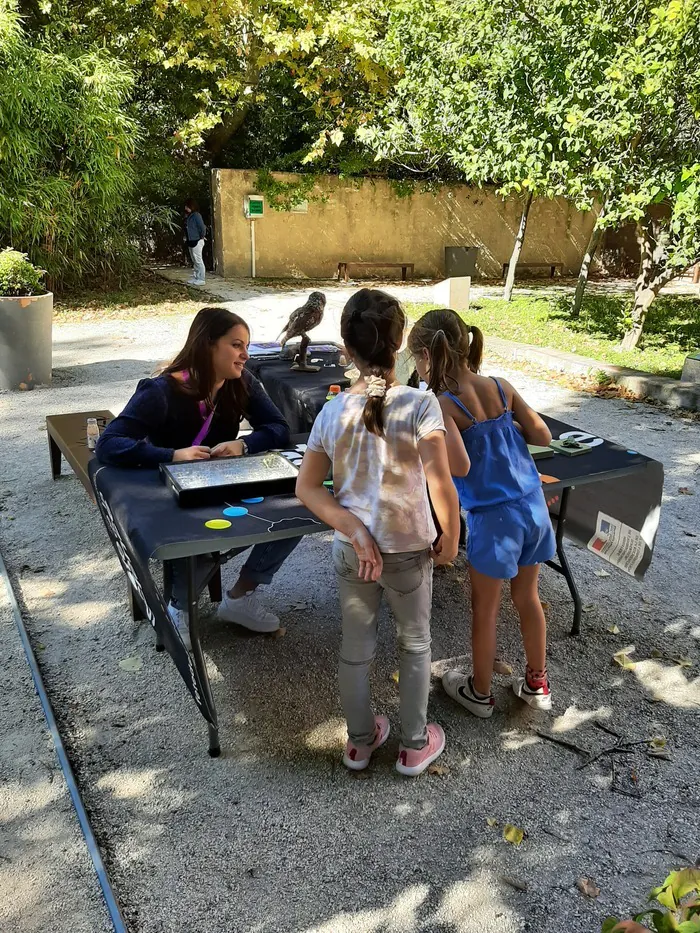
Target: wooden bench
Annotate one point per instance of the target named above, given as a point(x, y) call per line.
point(403, 266)
point(552, 266)
point(68, 437)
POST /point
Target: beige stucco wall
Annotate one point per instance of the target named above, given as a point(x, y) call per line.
point(367, 221)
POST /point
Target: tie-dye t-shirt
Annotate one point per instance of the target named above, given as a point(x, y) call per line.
point(381, 479)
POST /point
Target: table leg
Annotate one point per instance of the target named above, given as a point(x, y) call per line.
point(167, 594)
point(135, 606)
point(403, 273)
point(563, 566)
point(55, 456)
point(193, 610)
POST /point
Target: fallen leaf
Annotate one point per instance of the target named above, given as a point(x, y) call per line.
point(131, 664)
point(614, 630)
point(658, 741)
point(622, 657)
point(645, 599)
point(589, 607)
point(545, 606)
point(492, 821)
point(513, 834)
point(395, 677)
point(603, 573)
point(685, 491)
point(501, 667)
point(683, 661)
point(40, 646)
point(588, 887)
point(279, 633)
point(655, 653)
point(440, 770)
point(662, 753)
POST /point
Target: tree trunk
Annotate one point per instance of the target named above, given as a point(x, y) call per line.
point(643, 295)
point(591, 249)
point(642, 300)
point(223, 132)
point(517, 247)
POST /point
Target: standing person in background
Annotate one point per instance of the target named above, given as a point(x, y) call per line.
point(195, 232)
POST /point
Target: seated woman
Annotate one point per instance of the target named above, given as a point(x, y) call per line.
point(193, 411)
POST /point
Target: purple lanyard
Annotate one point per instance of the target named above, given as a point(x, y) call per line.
point(204, 430)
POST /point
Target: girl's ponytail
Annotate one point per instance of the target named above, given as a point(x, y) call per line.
point(442, 360)
point(372, 326)
point(476, 349)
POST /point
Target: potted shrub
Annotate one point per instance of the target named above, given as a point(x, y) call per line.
point(26, 309)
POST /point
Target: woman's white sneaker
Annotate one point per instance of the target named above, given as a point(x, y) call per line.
point(247, 612)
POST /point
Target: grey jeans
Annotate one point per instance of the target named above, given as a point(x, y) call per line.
point(407, 582)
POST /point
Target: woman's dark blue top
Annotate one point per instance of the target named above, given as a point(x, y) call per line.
point(502, 469)
point(159, 418)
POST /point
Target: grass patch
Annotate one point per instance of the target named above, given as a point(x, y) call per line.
point(148, 296)
point(672, 330)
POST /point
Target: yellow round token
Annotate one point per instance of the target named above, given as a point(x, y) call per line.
point(217, 523)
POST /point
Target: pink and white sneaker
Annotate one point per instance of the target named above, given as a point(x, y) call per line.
point(413, 761)
point(357, 757)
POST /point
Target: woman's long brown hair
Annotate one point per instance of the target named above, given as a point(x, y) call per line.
point(450, 344)
point(372, 326)
point(195, 358)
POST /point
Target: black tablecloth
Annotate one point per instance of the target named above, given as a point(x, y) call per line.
point(299, 396)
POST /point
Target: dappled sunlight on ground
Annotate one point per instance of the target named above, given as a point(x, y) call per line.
point(668, 684)
point(573, 717)
point(328, 736)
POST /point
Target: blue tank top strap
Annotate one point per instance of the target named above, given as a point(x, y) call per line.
point(462, 406)
point(501, 393)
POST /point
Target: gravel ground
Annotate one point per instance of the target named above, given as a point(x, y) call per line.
point(275, 836)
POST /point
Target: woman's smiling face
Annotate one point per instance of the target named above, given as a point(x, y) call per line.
point(230, 353)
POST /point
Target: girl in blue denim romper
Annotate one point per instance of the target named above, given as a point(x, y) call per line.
point(510, 532)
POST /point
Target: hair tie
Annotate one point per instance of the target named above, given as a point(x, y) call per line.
point(376, 387)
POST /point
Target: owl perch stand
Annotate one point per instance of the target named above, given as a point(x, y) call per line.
point(301, 362)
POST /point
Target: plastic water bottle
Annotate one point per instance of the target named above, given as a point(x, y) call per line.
point(93, 433)
point(333, 391)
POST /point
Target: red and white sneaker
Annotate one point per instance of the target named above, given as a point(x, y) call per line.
point(357, 757)
point(413, 761)
point(541, 698)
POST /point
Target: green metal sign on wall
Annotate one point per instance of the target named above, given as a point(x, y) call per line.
point(254, 205)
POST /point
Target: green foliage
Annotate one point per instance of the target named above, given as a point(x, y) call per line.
point(679, 897)
point(66, 149)
point(545, 321)
point(18, 276)
point(284, 195)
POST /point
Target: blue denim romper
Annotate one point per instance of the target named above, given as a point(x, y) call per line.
point(508, 520)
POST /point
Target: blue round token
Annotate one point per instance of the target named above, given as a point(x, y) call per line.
point(254, 500)
point(235, 511)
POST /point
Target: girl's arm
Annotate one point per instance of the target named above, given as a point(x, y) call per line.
point(443, 495)
point(270, 430)
point(124, 442)
point(456, 451)
point(533, 427)
point(311, 491)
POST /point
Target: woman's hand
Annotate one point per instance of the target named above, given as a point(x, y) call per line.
point(371, 563)
point(191, 453)
point(228, 449)
point(444, 551)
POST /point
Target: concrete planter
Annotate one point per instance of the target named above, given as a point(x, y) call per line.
point(25, 341)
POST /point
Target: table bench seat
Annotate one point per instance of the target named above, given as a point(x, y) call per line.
point(404, 266)
point(552, 266)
